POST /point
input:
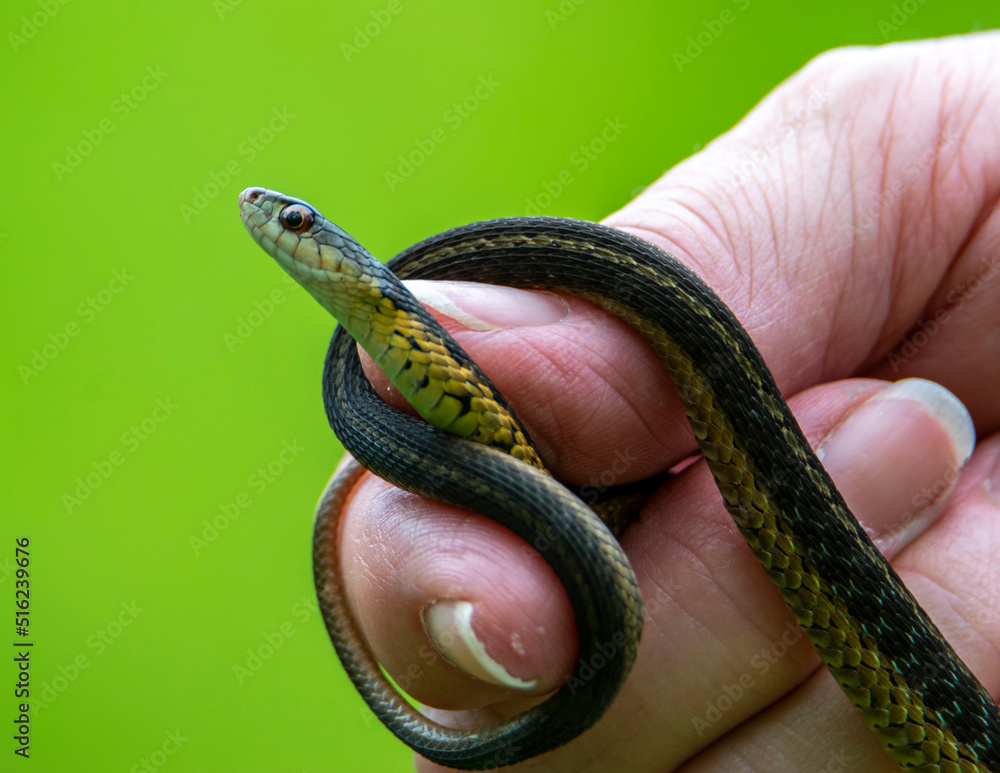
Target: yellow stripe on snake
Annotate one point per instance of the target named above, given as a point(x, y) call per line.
point(927, 709)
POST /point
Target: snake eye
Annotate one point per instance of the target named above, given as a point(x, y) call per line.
point(296, 218)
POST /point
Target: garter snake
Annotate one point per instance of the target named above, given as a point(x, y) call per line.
point(927, 709)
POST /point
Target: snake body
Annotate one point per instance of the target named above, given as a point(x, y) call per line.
point(927, 709)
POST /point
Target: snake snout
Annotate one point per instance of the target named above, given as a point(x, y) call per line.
point(251, 195)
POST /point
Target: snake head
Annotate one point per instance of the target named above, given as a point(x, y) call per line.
point(321, 257)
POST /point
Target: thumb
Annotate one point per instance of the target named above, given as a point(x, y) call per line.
point(813, 218)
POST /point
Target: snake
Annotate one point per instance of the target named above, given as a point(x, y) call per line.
point(468, 448)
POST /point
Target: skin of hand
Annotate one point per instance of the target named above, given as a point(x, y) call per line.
point(851, 223)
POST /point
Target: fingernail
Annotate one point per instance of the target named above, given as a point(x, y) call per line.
point(487, 307)
point(941, 405)
point(449, 625)
point(920, 435)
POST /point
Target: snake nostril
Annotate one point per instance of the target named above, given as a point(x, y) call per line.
point(251, 195)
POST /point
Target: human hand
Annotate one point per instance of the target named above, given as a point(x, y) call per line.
point(849, 223)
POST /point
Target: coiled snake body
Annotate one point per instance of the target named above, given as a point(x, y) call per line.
point(927, 709)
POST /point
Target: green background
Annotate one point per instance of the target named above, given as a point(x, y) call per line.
point(159, 374)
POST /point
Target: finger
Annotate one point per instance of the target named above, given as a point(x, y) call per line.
point(844, 208)
point(596, 389)
point(946, 342)
point(815, 727)
point(405, 559)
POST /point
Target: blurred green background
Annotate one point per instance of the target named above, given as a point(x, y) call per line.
point(164, 434)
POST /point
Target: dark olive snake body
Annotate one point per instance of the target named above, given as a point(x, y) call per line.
point(927, 709)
